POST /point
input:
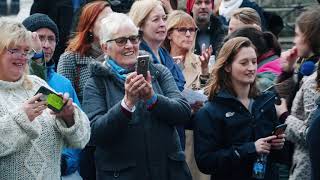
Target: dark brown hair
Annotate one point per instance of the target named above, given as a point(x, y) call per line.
point(309, 24)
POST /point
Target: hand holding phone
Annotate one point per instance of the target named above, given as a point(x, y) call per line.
point(53, 100)
point(142, 66)
point(279, 129)
point(33, 107)
point(278, 143)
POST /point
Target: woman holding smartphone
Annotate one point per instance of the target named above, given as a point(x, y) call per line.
point(32, 136)
point(235, 126)
point(133, 118)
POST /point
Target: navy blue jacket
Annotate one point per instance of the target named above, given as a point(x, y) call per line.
point(225, 132)
point(313, 140)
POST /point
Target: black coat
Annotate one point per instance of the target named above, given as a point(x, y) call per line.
point(145, 146)
point(217, 31)
point(225, 132)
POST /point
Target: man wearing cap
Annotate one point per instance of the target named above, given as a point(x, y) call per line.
point(211, 29)
point(45, 38)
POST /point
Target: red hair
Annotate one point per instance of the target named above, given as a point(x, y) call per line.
point(88, 16)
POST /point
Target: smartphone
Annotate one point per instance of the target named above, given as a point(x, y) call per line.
point(142, 66)
point(54, 101)
point(279, 129)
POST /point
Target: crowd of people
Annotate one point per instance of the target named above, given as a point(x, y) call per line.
point(141, 90)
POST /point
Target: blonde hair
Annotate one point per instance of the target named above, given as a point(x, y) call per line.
point(13, 33)
point(141, 9)
point(247, 16)
point(219, 77)
point(178, 18)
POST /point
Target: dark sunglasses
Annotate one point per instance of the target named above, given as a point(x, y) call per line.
point(122, 41)
point(184, 30)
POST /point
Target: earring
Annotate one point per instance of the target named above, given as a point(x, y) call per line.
point(89, 37)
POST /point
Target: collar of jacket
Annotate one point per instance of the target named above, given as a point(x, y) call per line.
point(261, 100)
point(50, 71)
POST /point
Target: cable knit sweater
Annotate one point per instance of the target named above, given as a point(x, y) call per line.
point(304, 104)
point(32, 150)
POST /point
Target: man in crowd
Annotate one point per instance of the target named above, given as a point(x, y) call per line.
point(211, 29)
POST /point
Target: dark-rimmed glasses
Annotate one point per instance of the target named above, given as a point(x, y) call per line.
point(17, 53)
point(184, 30)
point(122, 41)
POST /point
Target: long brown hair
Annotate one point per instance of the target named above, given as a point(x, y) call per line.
point(87, 19)
point(309, 25)
point(219, 77)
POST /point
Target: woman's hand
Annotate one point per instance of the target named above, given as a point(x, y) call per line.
point(204, 59)
point(167, 6)
point(281, 108)
point(34, 107)
point(278, 143)
point(263, 146)
point(147, 92)
point(36, 43)
point(68, 110)
point(196, 106)
point(288, 59)
point(133, 85)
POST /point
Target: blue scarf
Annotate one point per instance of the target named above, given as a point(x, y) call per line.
point(119, 71)
point(166, 60)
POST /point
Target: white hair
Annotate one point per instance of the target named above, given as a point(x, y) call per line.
point(112, 23)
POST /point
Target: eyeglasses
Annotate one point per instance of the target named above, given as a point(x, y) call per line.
point(184, 30)
point(50, 39)
point(17, 53)
point(122, 41)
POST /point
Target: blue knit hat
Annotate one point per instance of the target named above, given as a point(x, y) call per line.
point(37, 21)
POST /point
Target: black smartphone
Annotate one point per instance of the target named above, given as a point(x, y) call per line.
point(142, 66)
point(54, 101)
point(279, 129)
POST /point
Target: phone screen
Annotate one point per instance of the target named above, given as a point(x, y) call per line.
point(143, 65)
point(54, 101)
point(279, 129)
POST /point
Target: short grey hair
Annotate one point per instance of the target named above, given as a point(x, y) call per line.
point(112, 23)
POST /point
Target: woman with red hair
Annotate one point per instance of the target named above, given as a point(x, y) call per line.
point(84, 46)
point(74, 63)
